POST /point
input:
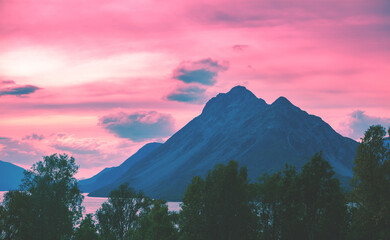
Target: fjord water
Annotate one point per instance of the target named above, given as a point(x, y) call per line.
point(91, 204)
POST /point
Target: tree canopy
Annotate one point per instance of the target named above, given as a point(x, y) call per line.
point(220, 205)
point(371, 182)
point(48, 205)
point(157, 224)
point(87, 229)
point(307, 205)
point(119, 217)
point(304, 204)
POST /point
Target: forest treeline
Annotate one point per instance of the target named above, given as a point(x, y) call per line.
point(224, 205)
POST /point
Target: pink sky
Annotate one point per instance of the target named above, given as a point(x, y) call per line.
point(99, 79)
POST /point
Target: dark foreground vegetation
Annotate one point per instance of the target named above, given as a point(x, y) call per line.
point(306, 204)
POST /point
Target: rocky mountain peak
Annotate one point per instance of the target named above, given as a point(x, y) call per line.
point(237, 98)
point(282, 101)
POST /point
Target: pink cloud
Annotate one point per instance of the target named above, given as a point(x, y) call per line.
point(358, 123)
point(139, 126)
point(91, 58)
point(90, 153)
point(202, 71)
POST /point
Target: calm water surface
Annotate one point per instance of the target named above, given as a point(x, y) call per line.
point(92, 204)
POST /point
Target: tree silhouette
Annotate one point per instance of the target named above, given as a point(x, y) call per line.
point(48, 205)
point(119, 217)
point(371, 181)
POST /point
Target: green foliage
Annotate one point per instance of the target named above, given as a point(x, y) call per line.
point(119, 217)
point(304, 205)
point(158, 224)
point(309, 205)
point(223, 210)
point(15, 216)
point(49, 203)
point(87, 229)
point(191, 216)
point(371, 181)
point(3, 215)
point(279, 205)
point(323, 200)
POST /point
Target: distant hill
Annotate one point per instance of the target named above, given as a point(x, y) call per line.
point(10, 176)
point(237, 125)
point(109, 175)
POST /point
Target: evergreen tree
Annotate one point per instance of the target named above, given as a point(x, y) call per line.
point(371, 193)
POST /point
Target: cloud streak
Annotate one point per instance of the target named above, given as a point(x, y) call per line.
point(19, 90)
point(203, 71)
point(139, 126)
point(188, 94)
point(34, 136)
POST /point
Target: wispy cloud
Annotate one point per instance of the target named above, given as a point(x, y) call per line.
point(139, 126)
point(190, 94)
point(34, 136)
point(17, 90)
point(68, 143)
point(203, 71)
point(358, 122)
point(6, 82)
point(115, 57)
point(240, 47)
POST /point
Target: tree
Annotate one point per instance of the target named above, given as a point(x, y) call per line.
point(224, 211)
point(269, 205)
point(16, 222)
point(309, 205)
point(48, 205)
point(118, 218)
point(2, 221)
point(192, 209)
point(371, 182)
point(279, 205)
point(87, 229)
point(158, 224)
point(323, 200)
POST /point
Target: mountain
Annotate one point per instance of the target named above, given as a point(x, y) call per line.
point(237, 125)
point(109, 175)
point(10, 176)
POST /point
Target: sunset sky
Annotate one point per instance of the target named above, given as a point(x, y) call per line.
point(98, 79)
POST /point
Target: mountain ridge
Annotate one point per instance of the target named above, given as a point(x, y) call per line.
point(11, 176)
point(237, 125)
point(108, 175)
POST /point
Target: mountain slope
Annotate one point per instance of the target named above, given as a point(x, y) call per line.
point(10, 176)
point(109, 175)
point(237, 125)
